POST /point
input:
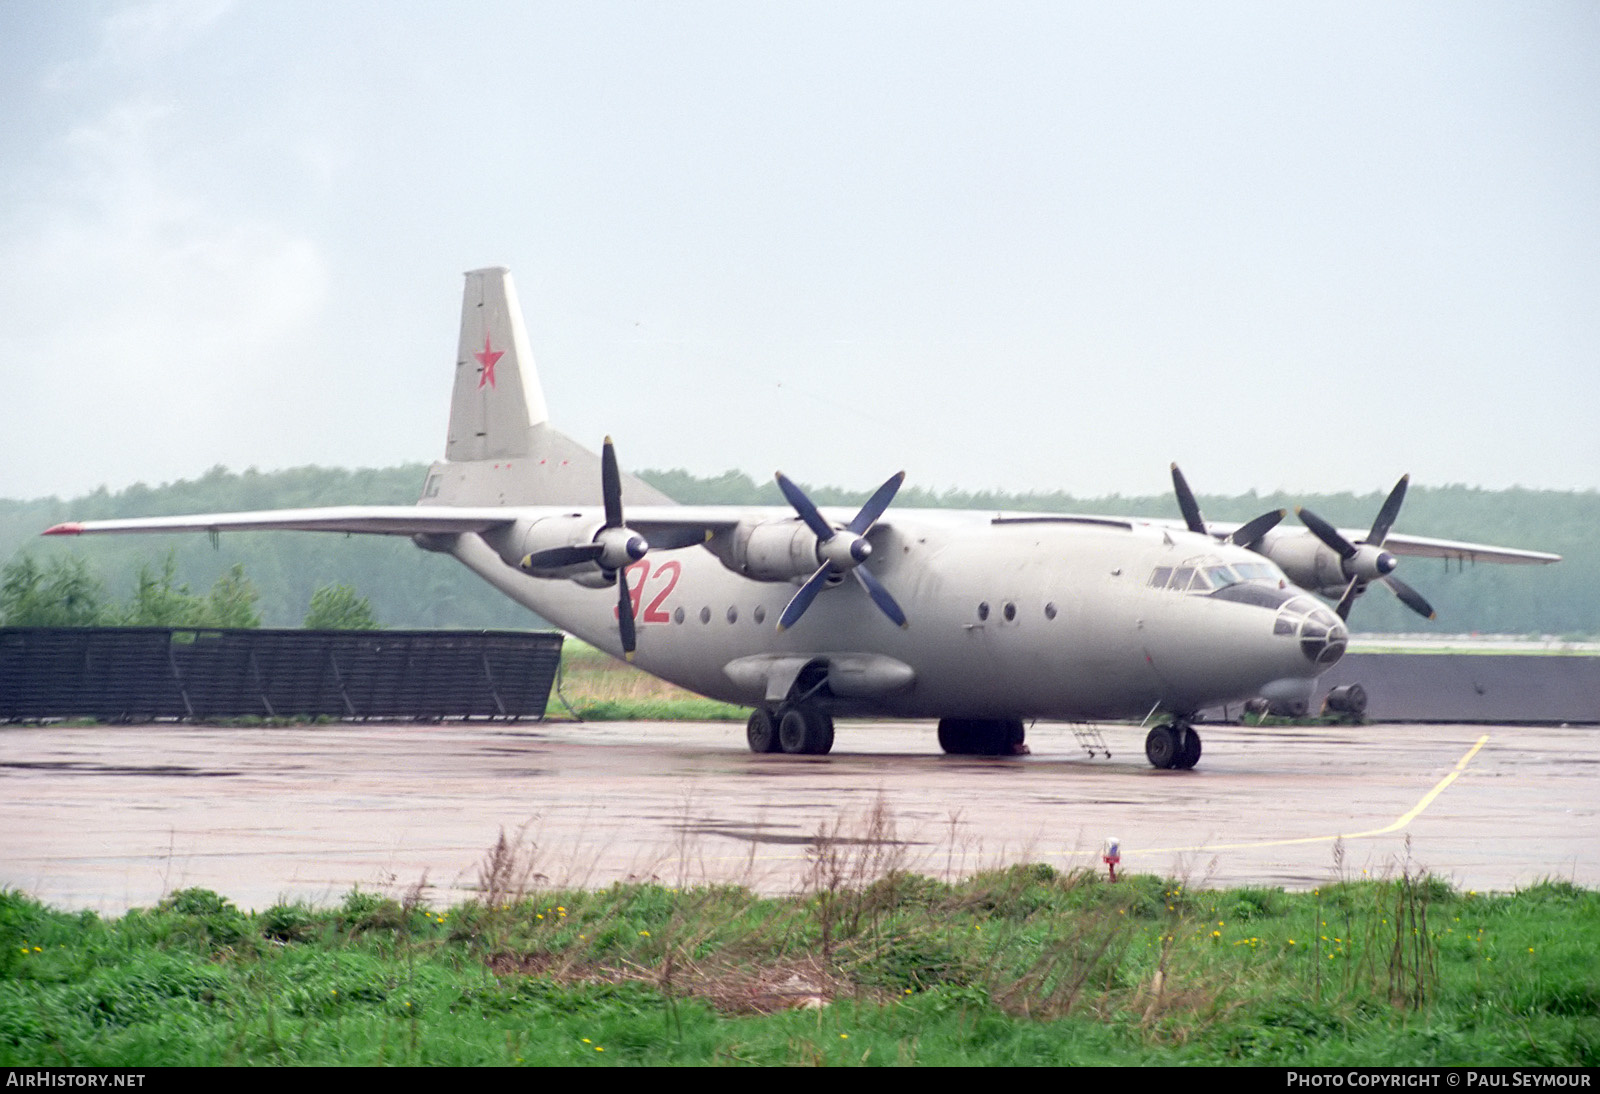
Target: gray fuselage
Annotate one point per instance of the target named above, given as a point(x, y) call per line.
point(1006, 619)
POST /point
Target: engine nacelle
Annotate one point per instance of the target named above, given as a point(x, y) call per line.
point(1307, 562)
point(528, 536)
point(1312, 564)
point(769, 550)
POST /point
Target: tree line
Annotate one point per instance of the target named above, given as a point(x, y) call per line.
point(411, 588)
point(66, 592)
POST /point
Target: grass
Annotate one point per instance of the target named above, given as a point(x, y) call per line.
point(599, 688)
point(866, 964)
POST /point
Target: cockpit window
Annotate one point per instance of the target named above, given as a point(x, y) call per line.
point(1206, 574)
point(1222, 576)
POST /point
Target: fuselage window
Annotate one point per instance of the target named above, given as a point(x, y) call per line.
point(1050, 611)
point(705, 615)
point(983, 610)
point(733, 614)
point(1010, 611)
point(760, 614)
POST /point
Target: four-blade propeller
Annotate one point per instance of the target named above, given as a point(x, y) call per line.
point(841, 550)
point(614, 548)
point(1367, 561)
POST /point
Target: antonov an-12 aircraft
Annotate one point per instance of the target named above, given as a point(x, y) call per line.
point(981, 621)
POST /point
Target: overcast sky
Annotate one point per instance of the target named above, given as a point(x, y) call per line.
point(1020, 245)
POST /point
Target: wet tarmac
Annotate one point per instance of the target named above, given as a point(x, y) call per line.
point(112, 817)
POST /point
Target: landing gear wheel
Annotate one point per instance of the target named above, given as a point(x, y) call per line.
point(805, 731)
point(1188, 749)
point(1161, 747)
point(761, 731)
point(955, 736)
point(982, 736)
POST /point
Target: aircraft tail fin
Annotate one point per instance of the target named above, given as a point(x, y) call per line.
point(501, 448)
point(497, 398)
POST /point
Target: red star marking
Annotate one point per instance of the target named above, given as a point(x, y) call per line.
point(487, 359)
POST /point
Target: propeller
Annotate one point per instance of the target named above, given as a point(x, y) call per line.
point(1246, 535)
point(1367, 561)
point(614, 547)
point(841, 550)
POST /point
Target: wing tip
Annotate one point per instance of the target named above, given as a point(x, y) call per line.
point(67, 528)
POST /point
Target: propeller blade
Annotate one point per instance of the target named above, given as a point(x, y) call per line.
point(1326, 532)
point(841, 550)
point(1351, 591)
point(876, 504)
point(880, 596)
point(1386, 515)
point(625, 616)
point(803, 506)
point(556, 557)
point(1410, 597)
point(1373, 559)
point(802, 600)
point(611, 485)
point(1186, 502)
point(1249, 534)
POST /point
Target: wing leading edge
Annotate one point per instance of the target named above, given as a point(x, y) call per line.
point(386, 520)
point(672, 521)
point(1415, 546)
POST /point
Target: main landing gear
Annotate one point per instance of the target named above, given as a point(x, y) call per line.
point(1175, 745)
point(800, 729)
point(982, 736)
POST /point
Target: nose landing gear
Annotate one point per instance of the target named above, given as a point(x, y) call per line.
point(1173, 746)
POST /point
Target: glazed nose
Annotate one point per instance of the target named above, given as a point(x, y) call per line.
point(1323, 637)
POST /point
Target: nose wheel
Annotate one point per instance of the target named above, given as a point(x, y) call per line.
point(1173, 746)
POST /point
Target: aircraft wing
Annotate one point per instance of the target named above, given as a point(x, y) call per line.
point(1454, 549)
point(670, 521)
point(385, 520)
point(1418, 546)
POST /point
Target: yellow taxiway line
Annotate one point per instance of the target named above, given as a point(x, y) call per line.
point(1404, 819)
